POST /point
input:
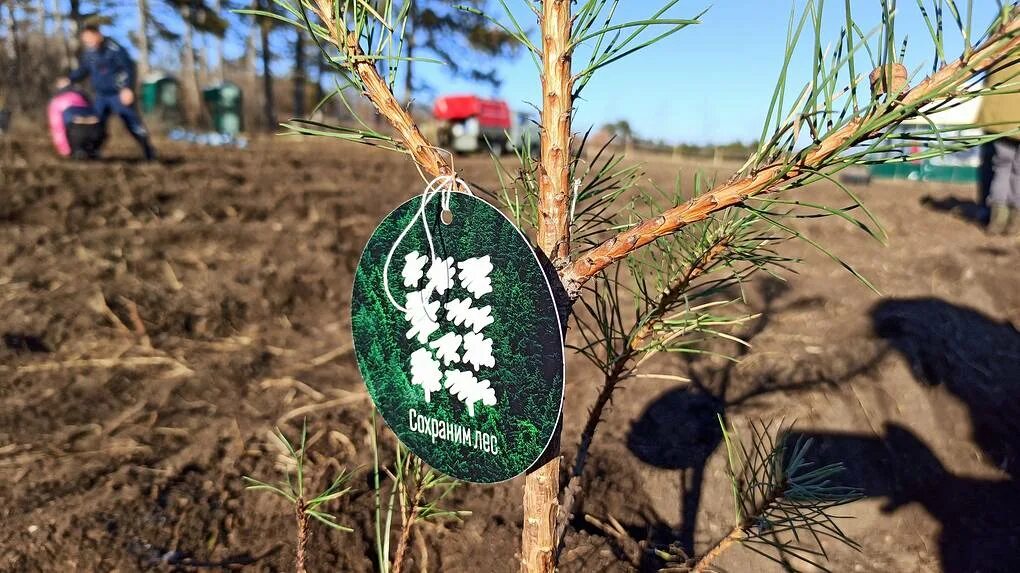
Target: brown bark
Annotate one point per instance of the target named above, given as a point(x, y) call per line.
point(189, 63)
point(541, 486)
point(405, 536)
point(557, 104)
point(1001, 45)
point(301, 519)
point(143, 39)
point(218, 46)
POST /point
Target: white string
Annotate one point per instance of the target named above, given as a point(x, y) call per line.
point(444, 186)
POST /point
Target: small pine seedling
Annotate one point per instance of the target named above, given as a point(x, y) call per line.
point(305, 507)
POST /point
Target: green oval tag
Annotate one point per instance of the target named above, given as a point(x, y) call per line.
point(463, 356)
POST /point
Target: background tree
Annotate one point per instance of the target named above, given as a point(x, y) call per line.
point(298, 75)
point(465, 41)
point(142, 38)
point(198, 18)
point(268, 101)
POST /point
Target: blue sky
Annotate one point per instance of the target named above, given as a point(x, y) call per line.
point(709, 83)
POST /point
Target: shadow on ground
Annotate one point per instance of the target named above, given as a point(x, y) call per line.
point(976, 358)
point(968, 210)
point(680, 430)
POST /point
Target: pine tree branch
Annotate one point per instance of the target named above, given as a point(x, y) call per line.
point(1001, 46)
point(375, 88)
point(706, 560)
point(637, 343)
point(704, 263)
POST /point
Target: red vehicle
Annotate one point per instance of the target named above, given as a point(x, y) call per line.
point(470, 123)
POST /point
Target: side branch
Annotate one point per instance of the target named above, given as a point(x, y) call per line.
point(641, 338)
point(1000, 46)
point(375, 88)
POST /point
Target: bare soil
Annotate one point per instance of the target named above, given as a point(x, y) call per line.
point(158, 320)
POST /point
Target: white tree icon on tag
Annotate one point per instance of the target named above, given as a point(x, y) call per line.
point(469, 347)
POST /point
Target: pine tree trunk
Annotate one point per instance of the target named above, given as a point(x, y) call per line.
point(76, 24)
point(299, 74)
point(76, 19)
point(218, 47)
point(143, 38)
point(541, 487)
point(268, 107)
point(190, 69)
point(62, 33)
point(40, 11)
point(16, 52)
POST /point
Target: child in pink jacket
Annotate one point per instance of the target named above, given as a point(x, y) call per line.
point(74, 125)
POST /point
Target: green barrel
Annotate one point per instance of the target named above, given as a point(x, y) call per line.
point(149, 97)
point(160, 98)
point(225, 103)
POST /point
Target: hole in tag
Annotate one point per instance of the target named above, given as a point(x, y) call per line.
point(446, 216)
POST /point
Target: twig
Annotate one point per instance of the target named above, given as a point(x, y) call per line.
point(100, 305)
point(125, 416)
point(704, 562)
point(321, 406)
point(337, 352)
point(171, 276)
point(178, 368)
point(288, 382)
point(631, 547)
point(138, 327)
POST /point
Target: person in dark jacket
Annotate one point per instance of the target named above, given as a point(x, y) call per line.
point(112, 72)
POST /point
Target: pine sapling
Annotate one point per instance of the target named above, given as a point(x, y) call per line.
point(306, 507)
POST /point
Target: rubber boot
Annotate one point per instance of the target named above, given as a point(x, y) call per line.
point(998, 222)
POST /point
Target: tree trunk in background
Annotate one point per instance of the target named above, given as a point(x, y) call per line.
point(40, 13)
point(204, 71)
point(268, 107)
point(11, 33)
point(218, 47)
point(76, 24)
point(189, 70)
point(299, 74)
point(14, 49)
point(143, 39)
point(249, 73)
point(62, 32)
